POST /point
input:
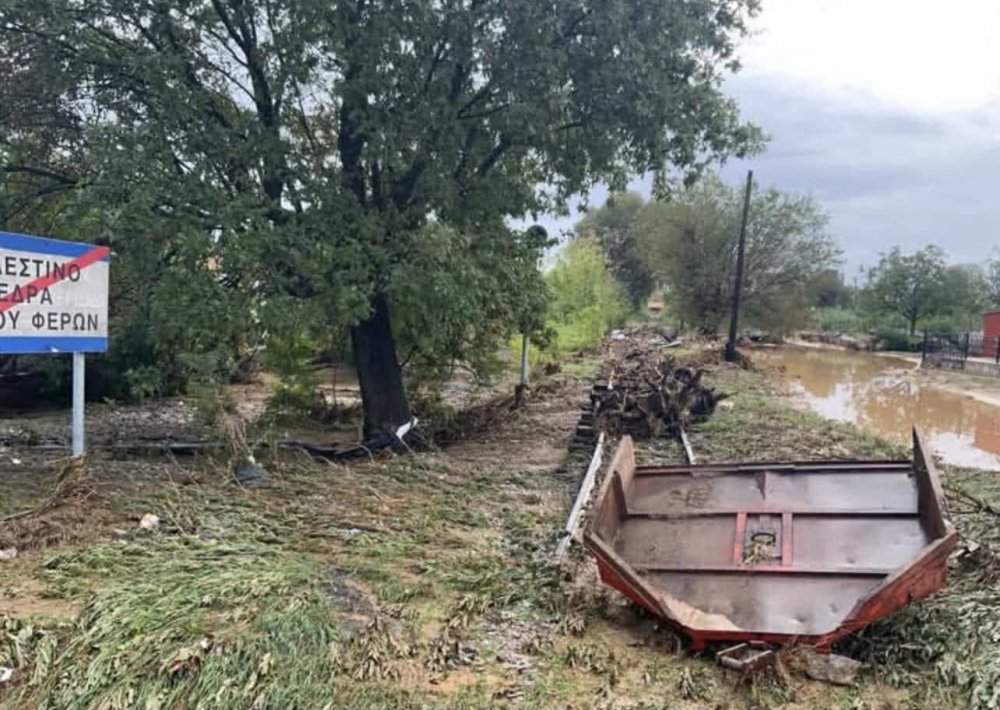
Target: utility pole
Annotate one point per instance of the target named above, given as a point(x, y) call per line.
point(522, 386)
point(734, 319)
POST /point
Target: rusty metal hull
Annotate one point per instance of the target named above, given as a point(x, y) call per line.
point(785, 552)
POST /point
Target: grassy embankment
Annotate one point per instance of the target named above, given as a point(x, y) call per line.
point(422, 581)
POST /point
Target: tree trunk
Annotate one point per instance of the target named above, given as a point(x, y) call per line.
point(913, 327)
point(379, 374)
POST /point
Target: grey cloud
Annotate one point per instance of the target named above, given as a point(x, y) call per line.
point(886, 177)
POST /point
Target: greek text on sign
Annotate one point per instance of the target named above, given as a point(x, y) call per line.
point(53, 295)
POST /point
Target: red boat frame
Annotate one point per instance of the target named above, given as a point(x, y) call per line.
point(918, 577)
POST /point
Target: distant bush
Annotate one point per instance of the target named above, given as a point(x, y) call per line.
point(956, 323)
point(839, 320)
point(898, 340)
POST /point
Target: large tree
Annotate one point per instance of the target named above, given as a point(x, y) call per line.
point(692, 240)
point(615, 227)
point(304, 148)
point(912, 286)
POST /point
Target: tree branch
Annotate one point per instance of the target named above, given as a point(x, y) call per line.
point(40, 172)
point(491, 159)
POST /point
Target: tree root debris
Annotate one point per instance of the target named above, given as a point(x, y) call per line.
point(645, 393)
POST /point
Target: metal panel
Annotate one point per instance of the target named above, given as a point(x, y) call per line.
point(778, 604)
point(677, 542)
point(892, 491)
point(857, 542)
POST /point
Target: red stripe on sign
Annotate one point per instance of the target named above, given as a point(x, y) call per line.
point(82, 261)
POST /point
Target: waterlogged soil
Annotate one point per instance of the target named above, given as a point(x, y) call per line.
point(889, 396)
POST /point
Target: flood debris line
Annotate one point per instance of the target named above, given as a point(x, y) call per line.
point(72, 485)
point(978, 505)
point(70, 511)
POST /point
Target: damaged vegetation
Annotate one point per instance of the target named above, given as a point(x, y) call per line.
point(424, 580)
point(956, 632)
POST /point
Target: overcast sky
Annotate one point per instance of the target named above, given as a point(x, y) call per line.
point(887, 111)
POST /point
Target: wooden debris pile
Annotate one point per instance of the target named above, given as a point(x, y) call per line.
point(645, 393)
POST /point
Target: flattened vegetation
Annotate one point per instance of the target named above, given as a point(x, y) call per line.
point(423, 581)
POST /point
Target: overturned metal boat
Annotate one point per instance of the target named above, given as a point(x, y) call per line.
point(778, 552)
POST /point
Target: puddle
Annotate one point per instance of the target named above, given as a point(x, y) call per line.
point(882, 394)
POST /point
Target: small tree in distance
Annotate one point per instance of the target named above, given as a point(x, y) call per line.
point(614, 226)
point(691, 242)
point(908, 285)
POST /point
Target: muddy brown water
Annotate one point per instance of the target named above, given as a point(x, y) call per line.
point(883, 395)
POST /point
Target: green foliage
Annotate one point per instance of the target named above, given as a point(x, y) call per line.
point(912, 286)
point(900, 340)
point(586, 299)
point(290, 356)
point(237, 155)
point(965, 297)
point(189, 622)
point(615, 228)
point(952, 323)
point(464, 294)
point(942, 299)
point(830, 291)
point(991, 285)
point(692, 241)
point(840, 320)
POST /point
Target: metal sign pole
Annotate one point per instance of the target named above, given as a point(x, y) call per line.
point(78, 383)
point(524, 359)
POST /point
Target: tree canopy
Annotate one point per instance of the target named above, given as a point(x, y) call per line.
point(615, 227)
point(692, 240)
point(909, 285)
point(991, 284)
point(262, 163)
point(586, 297)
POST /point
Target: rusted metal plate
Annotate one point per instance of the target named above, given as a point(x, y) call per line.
point(779, 552)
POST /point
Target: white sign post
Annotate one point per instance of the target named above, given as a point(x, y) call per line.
point(54, 299)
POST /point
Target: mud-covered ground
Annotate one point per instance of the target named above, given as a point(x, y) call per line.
point(421, 580)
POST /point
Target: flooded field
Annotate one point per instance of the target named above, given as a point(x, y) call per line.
point(888, 396)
